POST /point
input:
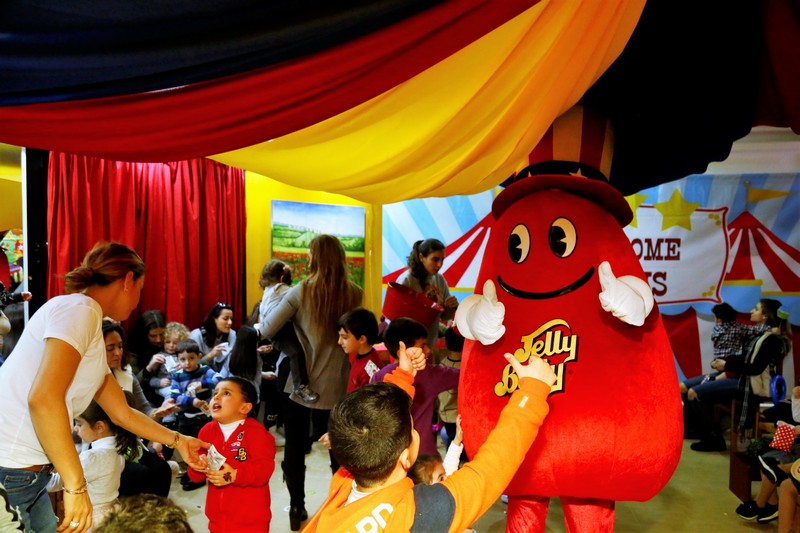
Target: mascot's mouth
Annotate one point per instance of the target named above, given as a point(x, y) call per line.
point(577, 284)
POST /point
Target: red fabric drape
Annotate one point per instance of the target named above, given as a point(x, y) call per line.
point(186, 220)
point(683, 334)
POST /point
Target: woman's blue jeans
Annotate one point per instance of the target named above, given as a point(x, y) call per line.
point(27, 492)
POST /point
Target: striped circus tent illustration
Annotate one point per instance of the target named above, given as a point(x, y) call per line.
point(758, 254)
point(463, 258)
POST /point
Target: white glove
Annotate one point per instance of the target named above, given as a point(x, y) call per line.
point(480, 317)
point(627, 297)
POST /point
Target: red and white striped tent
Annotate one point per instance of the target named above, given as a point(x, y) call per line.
point(463, 258)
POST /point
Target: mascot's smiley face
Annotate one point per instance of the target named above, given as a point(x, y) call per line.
point(553, 240)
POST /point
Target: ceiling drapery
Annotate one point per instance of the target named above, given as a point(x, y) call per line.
point(397, 98)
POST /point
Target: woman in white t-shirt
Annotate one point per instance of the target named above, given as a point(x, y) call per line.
point(56, 369)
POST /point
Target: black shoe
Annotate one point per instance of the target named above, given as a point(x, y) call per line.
point(710, 445)
point(297, 515)
point(767, 514)
point(191, 485)
point(305, 393)
point(747, 511)
point(185, 478)
point(769, 466)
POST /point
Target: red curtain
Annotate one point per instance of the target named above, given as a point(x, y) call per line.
point(683, 337)
point(186, 220)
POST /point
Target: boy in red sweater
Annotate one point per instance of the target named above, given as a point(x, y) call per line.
point(373, 438)
point(242, 482)
point(358, 331)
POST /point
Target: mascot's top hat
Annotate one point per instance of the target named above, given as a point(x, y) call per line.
point(575, 156)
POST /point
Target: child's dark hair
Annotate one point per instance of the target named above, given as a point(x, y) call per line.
point(127, 443)
point(360, 321)
point(369, 429)
point(453, 340)
point(724, 312)
point(189, 346)
point(249, 392)
point(275, 272)
point(407, 330)
point(422, 471)
point(243, 356)
point(425, 248)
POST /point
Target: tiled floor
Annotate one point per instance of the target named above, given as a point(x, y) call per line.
point(696, 499)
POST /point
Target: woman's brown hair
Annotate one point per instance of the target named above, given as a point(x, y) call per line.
point(106, 263)
point(327, 289)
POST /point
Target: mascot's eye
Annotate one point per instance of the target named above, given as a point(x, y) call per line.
point(562, 237)
point(519, 243)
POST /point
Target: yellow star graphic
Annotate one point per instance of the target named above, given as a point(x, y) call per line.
point(677, 211)
point(577, 173)
point(635, 200)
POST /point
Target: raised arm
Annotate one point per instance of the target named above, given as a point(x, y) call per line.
point(480, 482)
point(50, 417)
point(112, 400)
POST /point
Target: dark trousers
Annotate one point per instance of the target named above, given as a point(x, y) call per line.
point(151, 475)
point(191, 426)
point(302, 426)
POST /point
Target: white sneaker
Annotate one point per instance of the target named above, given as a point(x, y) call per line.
point(504, 498)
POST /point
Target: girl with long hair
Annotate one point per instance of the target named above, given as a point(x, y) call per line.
point(216, 336)
point(424, 262)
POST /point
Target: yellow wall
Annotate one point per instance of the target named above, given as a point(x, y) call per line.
point(10, 202)
point(259, 193)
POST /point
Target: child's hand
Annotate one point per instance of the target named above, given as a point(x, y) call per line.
point(796, 392)
point(200, 404)
point(412, 360)
point(165, 382)
point(325, 440)
point(156, 361)
point(537, 368)
point(224, 476)
point(451, 302)
point(459, 438)
point(269, 376)
point(266, 348)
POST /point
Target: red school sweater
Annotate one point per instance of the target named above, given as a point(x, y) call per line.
point(243, 505)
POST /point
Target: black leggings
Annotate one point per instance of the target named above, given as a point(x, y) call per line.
point(302, 426)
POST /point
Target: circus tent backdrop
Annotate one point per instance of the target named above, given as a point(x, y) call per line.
point(702, 240)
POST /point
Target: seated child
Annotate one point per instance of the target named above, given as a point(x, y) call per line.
point(276, 278)
point(103, 462)
point(238, 498)
point(372, 436)
point(429, 383)
point(158, 373)
point(192, 384)
point(358, 331)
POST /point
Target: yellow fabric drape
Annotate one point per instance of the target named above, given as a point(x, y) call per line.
point(465, 124)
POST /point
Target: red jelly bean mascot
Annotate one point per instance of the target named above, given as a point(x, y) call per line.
point(561, 281)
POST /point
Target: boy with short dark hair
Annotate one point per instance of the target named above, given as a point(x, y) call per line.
point(434, 380)
point(372, 437)
point(358, 331)
point(238, 497)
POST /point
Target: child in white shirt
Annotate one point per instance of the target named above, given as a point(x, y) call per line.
point(103, 462)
